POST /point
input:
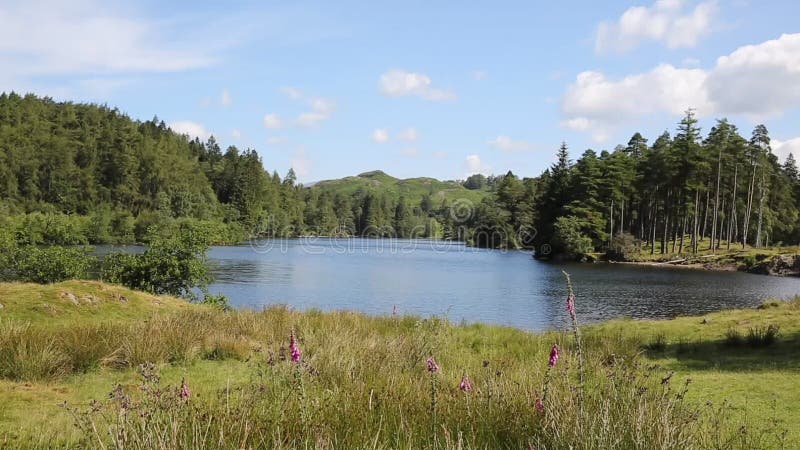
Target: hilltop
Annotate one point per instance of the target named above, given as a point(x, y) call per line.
point(412, 189)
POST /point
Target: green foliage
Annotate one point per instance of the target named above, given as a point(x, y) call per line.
point(477, 181)
point(174, 264)
point(569, 240)
point(50, 264)
point(623, 247)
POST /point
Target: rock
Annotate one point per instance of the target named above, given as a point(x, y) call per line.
point(70, 296)
point(706, 320)
point(120, 298)
point(90, 299)
point(780, 265)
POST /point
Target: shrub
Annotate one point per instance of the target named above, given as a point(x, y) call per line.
point(173, 265)
point(569, 240)
point(51, 264)
point(623, 246)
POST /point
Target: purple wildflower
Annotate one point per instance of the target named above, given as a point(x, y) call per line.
point(432, 366)
point(553, 356)
point(394, 310)
point(184, 393)
point(539, 405)
point(466, 384)
point(294, 349)
point(571, 305)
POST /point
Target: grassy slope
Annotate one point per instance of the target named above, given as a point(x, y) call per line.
point(79, 301)
point(413, 189)
point(759, 382)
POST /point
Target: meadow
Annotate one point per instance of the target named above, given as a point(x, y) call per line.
point(87, 364)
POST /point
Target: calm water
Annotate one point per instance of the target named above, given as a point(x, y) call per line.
point(503, 287)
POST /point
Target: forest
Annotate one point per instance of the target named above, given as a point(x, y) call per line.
point(88, 174)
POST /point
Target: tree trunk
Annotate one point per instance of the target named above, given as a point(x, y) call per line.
point(760, 209)
point(705, 214)
point(749, 209)
point(696, 221)
point(732, 220)
point(716, 203)
point(683, 231)
point(611, 226)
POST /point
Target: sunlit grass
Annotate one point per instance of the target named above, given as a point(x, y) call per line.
point(362, 381)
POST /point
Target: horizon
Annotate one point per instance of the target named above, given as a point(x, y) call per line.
point(310, 87)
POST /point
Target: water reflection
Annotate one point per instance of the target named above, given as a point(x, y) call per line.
point(502, 287)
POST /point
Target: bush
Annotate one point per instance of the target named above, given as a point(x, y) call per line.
point(174, 265)
point(50, 264)
point(569, 240)
point(622, 247)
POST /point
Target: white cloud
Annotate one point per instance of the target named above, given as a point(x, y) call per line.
point(475, 165)
point(666, 21)
point(273, 121)
point(276, 140)
point(85, 39)
point(321, 108)
point(292, 93)
point(506, 144)
point(398, 83)
point(225, 98)
point(410, 151)
point(191, 129)
point(439, 154)
point(380, 135)
point(409, 134)
point(480, 75)
point(301, 163)
point(236, 134)
point(756, 80)
point(783, 148)
point(311, 119)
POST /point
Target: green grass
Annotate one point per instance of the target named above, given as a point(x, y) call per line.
point(79, 302)
point(736, 258)
point(363, 383)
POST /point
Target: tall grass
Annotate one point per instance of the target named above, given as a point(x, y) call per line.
point(362, 383)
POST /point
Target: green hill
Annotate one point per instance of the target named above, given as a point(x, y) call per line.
point(412, 189)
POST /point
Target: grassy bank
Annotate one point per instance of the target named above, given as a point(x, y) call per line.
point(752, 259)
point(363, 381)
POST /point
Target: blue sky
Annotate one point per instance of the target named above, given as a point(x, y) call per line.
point(440, 89)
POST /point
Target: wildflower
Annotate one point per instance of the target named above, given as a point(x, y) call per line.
point(466, 384)
point(294, 349)
point(394, 310)
point(571, 305)
point(553, 356)
point(539, 405)
point(184, 393)
point(432, 366)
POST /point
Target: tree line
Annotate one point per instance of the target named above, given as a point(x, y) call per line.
point(88, 174)
point(681, 194)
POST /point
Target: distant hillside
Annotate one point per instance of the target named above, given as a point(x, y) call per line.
point(413, 190)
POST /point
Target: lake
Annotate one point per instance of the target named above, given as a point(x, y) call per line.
point(493, 286)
